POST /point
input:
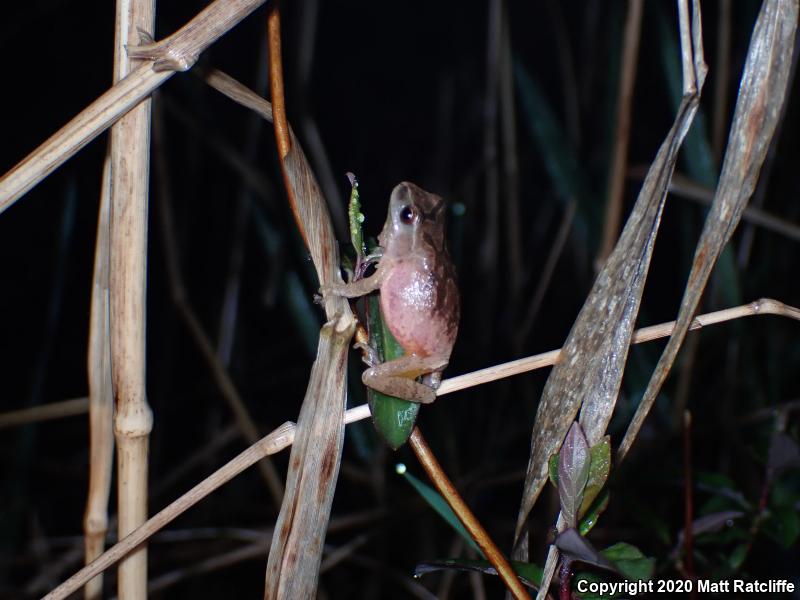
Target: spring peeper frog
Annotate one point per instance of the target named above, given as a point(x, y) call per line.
point(418, 295)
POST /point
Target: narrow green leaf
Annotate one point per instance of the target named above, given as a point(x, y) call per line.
point(529, 573)
point(394, 418)
point(593, 512)
point(438, 504)
point(552, 469)
point(737, 557)
point(599, 467)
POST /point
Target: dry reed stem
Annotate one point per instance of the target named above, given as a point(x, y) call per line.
point(616, 180)
point(44, 412)
point(465, 515)
point(283, 436)
point(130, 182)
point(182, 48)
point(101, 393)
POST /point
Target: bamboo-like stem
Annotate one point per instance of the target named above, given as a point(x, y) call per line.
point(44, 412)
point(465, 515)
point(616, 180)
point(181, 48)
point(130, 180)
point(101, 394)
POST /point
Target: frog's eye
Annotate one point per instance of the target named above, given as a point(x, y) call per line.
point(408, 214)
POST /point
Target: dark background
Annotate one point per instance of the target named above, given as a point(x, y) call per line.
point(396, 91)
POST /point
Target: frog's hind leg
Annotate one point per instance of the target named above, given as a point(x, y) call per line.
point(397, 377)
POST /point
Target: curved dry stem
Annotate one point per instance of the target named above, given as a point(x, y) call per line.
point(448, 491)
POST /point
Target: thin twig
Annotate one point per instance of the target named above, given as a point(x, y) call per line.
point(44, 412)
point(465, 515)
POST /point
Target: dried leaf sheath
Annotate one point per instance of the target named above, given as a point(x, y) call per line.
point(294, 557)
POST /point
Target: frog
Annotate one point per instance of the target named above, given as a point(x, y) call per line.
point(419, 296)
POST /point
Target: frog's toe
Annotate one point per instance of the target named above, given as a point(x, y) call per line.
point(369, 356)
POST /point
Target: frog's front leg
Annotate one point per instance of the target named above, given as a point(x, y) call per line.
point(355, 289)
point(397, 377)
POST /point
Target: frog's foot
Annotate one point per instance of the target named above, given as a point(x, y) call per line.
point(400, 387)
point(369, 354)
point(398, 377)
point(166, 56)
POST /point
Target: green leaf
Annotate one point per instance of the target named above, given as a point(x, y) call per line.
point(630, 561)
point(394, 418)
point(552, 469)
point(599, 467)
point(438, 504)
point(783, 525)
point(594, 511)
point(737, 556)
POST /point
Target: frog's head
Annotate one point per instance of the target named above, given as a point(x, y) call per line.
point(415, 221)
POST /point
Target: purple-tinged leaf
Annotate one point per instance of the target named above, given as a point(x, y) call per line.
point(573, 473)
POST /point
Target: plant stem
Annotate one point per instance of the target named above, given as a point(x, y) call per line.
point(465, 515)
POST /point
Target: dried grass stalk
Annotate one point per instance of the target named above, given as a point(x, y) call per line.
point(296, 549)
point(101, 397)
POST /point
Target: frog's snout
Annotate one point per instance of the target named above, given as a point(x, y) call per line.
point(402, 192)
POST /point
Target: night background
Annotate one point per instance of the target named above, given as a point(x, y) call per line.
point(393, 92)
